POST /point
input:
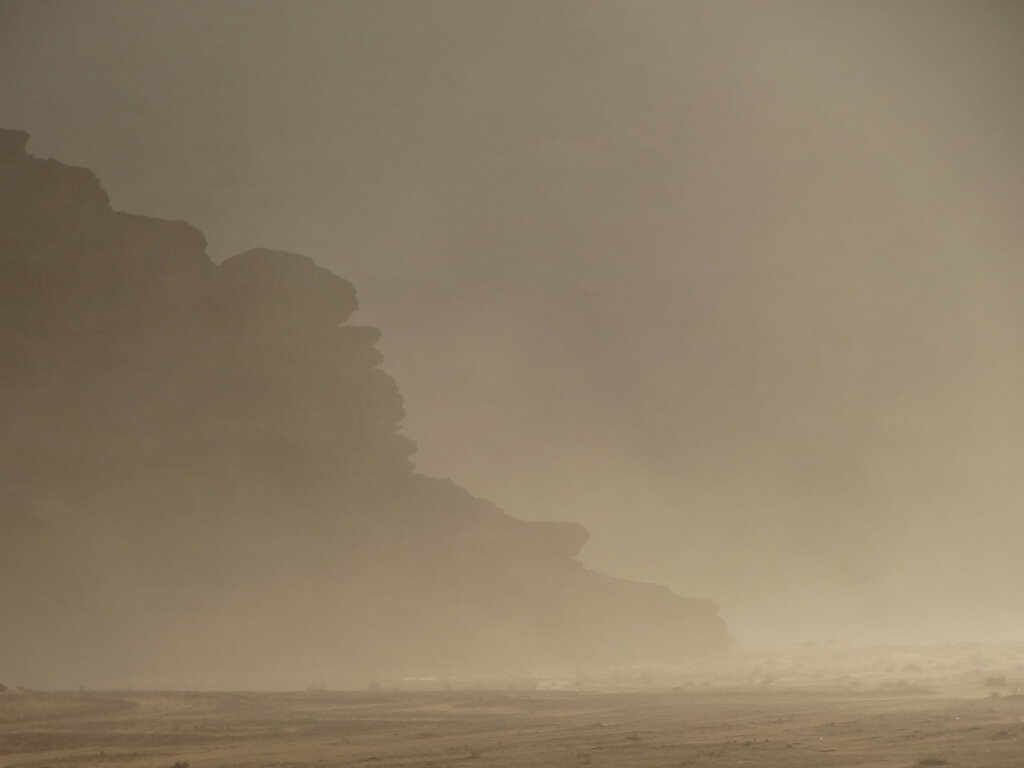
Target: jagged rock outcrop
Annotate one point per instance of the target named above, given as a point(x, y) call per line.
point(277, 292)
point(201, 475)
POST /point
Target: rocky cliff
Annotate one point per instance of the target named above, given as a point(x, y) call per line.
point(201, 477)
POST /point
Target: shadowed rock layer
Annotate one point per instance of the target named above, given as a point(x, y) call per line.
point(202, 478)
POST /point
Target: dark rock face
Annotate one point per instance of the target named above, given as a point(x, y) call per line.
point(201, 477)
point(13, 144)
point(286, 293)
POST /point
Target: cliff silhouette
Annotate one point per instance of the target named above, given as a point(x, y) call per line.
point(202, 478)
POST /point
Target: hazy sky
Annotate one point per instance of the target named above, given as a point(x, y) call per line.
point(737, 285)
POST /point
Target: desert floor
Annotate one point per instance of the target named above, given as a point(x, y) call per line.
point(953, 706)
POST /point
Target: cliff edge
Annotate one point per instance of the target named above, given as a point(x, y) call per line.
point(202, 477)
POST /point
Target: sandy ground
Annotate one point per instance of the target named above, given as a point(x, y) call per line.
point(955, 706)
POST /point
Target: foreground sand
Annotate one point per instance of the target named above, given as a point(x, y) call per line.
point(963, 714)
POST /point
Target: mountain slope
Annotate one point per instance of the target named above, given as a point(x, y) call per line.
point(201, 478)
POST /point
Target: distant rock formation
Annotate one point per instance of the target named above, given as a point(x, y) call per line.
point(201, 477)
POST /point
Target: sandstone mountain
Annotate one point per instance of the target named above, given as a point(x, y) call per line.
point(202, 479)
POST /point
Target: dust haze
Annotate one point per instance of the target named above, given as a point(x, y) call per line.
point(735, 285)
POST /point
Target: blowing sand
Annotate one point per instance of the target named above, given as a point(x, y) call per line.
point(955, 706)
